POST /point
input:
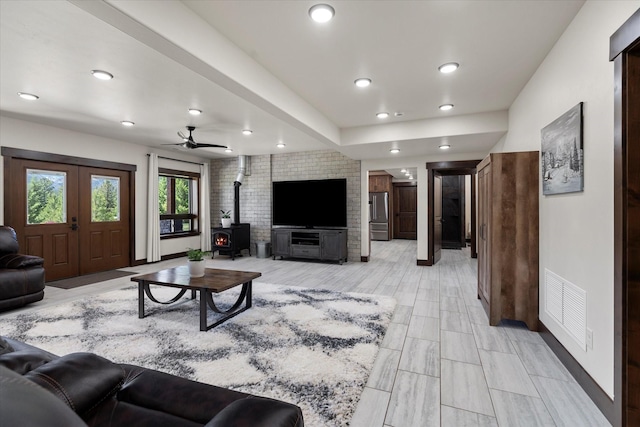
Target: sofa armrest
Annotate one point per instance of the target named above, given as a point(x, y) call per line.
point(23, 403)
point(258, 412)
point(18, 261)
point(81, 380)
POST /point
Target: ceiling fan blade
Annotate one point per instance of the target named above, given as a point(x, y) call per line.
point(182, 135)
point(198, 145)
point(177, 143)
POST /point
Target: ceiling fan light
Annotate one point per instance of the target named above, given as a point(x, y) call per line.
point(127, 123)
point(28, 96)
point(195, 111)
point(322, 13)
point(449, 67)
point(101, 74)
point(362, 82)
point(228, 150)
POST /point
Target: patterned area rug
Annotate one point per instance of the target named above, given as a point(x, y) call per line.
point(311, 347)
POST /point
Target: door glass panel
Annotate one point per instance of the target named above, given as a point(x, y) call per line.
point(105, 198)
point(46, 197)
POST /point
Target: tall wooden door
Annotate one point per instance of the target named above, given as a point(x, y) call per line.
point(437, 217)
point(103, 219)
point(44, 210)
point(405, 206)
point(75, 217)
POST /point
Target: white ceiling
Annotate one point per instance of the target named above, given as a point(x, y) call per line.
point(266, 65)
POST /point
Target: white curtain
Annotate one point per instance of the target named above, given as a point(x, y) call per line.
point(205, 209)
point(153, 212)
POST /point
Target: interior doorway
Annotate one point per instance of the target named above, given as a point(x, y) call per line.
point(625, 52)
point(77, 217)
point(435, 212)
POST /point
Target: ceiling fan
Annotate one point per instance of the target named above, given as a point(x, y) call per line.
point(188, 141)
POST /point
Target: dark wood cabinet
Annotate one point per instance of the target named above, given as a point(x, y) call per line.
point(322, 244)
point(508, 237)
point(380, 183)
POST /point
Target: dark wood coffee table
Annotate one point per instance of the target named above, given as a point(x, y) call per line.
point(213, 281)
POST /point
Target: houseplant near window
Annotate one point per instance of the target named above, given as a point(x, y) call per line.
point(226, 219)
point(196, 261)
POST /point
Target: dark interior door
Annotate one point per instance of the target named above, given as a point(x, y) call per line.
point(453, 212)
point(437, 216)
point(405, 206)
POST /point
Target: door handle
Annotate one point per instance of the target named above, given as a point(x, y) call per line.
point(74, 226)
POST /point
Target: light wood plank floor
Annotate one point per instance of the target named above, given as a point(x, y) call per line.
point(440, 364)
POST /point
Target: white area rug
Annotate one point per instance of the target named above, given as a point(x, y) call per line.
point(311, 347)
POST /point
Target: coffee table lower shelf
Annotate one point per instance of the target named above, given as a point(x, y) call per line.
point(214, 281)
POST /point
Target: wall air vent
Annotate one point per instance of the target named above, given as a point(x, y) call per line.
point(566, 304)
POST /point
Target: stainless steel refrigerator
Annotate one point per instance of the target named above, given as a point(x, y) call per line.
point(379, 216)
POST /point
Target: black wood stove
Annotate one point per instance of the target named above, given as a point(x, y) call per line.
point(232, 240)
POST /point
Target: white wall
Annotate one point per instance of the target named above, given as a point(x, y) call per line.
point(31, 136)
point(576, 230)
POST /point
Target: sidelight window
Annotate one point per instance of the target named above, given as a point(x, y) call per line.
point(177, 195)
point(46, 197)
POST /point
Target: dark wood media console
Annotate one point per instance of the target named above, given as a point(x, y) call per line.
point(322, 244)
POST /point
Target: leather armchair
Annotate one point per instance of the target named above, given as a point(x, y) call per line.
point(21, 276)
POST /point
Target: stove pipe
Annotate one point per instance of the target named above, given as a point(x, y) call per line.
point(243, 169)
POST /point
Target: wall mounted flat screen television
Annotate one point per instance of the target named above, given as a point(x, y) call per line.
point(311, 203)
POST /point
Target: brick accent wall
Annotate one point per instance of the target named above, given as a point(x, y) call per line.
point(255, 191)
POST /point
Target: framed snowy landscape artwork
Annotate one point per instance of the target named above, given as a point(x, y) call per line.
point(562, 154)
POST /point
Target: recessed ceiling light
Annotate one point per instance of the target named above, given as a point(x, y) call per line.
point(445, 146)
point(449, 67)
point(407, 173)
point(382, 115)
point(28, 96)
point(363, 82)
point(394, 150)
point(403, 170)
point(446, 107)
point(101, 75)
point(228, 150)
point(195, 111)
point(398, 114)
point(127, 123)
point(280, 145)
point(247, 131)
point(321, 13)
point(410, 176)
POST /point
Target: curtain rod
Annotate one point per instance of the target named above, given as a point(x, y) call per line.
point(178, 160)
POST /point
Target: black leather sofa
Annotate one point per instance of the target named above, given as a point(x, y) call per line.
point(21, 276)
point(38, 388)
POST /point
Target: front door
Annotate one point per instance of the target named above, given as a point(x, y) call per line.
point(75, 217)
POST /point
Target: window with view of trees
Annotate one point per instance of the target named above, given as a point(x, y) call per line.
point(177, 195)
point(105, 198)
point(46, 197)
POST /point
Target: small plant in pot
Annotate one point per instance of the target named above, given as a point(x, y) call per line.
point(226, 219)
point(196, 261)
